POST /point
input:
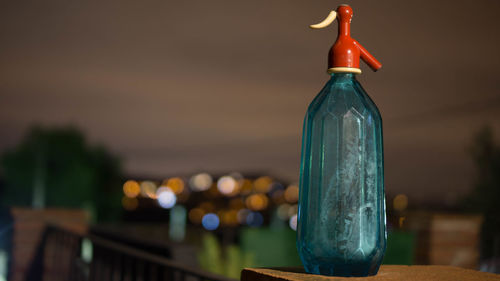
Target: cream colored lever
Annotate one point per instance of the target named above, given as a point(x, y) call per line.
point(326, 22)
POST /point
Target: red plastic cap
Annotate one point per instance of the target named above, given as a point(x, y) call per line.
point(346, 51)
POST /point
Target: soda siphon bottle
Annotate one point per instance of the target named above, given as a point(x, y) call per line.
point(341, 217)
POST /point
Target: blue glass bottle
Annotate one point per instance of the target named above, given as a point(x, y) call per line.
point(341, 218)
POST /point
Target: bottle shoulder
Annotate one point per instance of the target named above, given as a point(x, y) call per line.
point(340, 96)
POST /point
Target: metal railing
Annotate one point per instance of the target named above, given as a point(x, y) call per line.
point(59, 257)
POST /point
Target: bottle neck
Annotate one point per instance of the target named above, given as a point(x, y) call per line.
point(343, 76)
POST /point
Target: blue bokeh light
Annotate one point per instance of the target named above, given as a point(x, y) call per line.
point(210, 221)
point(255, 219)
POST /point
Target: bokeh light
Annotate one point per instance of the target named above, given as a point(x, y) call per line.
point(282, 212)
point(200, 182)
point(130, 203)
point(210, 221)
point(263, 184)
point(246, 187)
point(292, 193)
point(400, 202)
point(166, 198)
point(196, 215)
point(242, 216)
point(148, 189)
point(293, 222)
point(257, 202)
point(161, 189)
point(255, 219)
point(227, 185)
point(278, 197)
point(229, 217)
point(275, 186)
point(176, 184)
point(131, 188)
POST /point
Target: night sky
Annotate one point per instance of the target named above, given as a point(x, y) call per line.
point(222, 86)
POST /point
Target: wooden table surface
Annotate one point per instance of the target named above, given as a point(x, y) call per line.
point(386, 273)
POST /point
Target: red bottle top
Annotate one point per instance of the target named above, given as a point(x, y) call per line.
point(345, 53)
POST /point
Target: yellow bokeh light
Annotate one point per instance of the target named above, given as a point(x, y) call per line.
point(229, 218)
point(401, 221)
point(148, 189)
point(246, 186)
point(196, 215)
point(292, 194)
point(257, 202)
point(131, 188)
point(400, 202)
point(130, 203)
point(176, 185)
point(263, 184)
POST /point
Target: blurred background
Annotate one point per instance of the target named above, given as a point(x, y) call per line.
point(175, 127)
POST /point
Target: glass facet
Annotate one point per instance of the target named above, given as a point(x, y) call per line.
point(341, 218)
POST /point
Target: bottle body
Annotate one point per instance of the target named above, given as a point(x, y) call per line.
point(341, 218)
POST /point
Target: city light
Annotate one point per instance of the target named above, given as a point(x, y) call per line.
point(263, 184)
point(166, 198)
point(210, 221)
point(247, 198)
point(282, 212)
point(242, 216)
point(292, 194)
point(278, 196)
point(227, 185)
point(246, 186)
point(176, 185)
point(129, 203)
point(293, 222)
point(148, 189)
point(257, 202)
point(229, 217)
point(200, 182)
point(255, 219)
point(400, 202)
point(131, 188)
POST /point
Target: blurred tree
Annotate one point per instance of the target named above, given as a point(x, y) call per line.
point(57, 168)
point(485, 196)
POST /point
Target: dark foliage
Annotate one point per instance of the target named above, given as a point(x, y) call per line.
point(58, 168)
